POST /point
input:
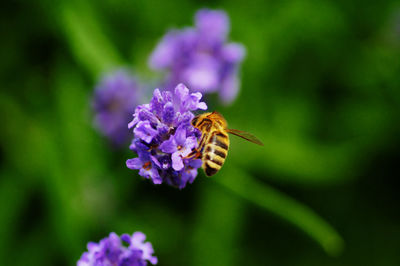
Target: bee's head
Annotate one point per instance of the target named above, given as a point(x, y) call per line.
point(198, 119)
point(195, 120)
point(218, 118)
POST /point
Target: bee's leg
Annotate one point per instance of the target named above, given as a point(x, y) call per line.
point(196, 153)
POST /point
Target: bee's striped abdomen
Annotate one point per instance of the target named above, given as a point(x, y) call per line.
point(215, 152)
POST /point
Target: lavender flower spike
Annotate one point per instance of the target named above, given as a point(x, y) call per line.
point(114, 100)
point(111, 251)
point(164, 137)
point(201, 57)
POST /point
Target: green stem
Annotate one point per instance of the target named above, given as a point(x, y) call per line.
point(283, 206)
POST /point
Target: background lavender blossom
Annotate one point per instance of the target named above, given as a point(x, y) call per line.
point(201, 57)
point(114, 250)
point(164, 137)
point(114, 100)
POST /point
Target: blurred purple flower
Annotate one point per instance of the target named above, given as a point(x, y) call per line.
point(164, 137)
point(111, 251)
point(114, 100)
point(201, 57)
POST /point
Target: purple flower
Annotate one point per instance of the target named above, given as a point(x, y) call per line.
point(179, 146)
point(111, 251)
point(114, 100)
point(201, 57)
point(164, 137)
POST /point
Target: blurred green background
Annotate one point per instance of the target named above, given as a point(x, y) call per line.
point(320, 87)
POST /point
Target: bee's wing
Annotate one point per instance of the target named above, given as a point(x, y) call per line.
point(245, 135)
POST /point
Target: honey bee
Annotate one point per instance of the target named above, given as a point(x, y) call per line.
point(214, 143)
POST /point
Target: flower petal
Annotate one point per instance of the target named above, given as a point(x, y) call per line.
point(180, 136)
point(134, 163)
point(233, 52)
point(144, 131)
point(191, 143)
point(168, 113)
point(163, 55)
point(156, 179)
point(126, 238)
point(202, 106)
point(196, 163)
point(138, 238)
point(177, 162)
point(229, 89)
point(214, 24)
point(169, 146)
point(181, 91)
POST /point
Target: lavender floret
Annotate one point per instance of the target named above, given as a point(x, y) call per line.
point(201, 57)
point(131, 251)
point(114, 100)
point(164, 137)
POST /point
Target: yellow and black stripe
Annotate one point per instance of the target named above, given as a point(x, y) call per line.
point(215, 152)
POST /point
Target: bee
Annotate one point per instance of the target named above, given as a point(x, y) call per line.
point(214, 142)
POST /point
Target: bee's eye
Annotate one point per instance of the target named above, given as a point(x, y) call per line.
point(194, 121)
